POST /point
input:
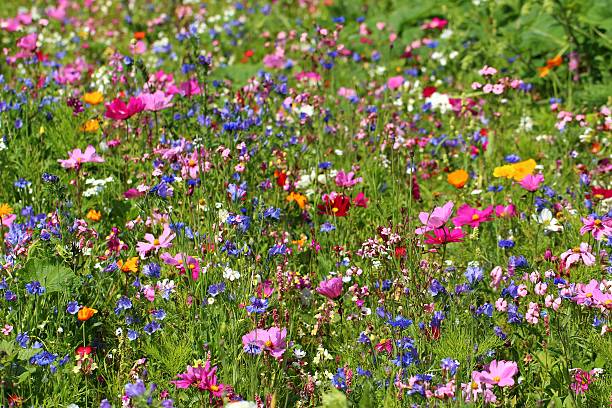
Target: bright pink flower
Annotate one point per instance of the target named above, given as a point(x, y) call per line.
point(442, 236)
point(76, 158)
point(265, 289)
point(272, 340)
point(118, 110)
point(531, 182)
point(505, 211)
point(581, 253)
point(133, 193)
point(587, 294)
point(7, 220)
point(395, 82)
point(600, 228)
point(331, 288)
point(28, 42)
point(190, 88)
point(438, 217)
point(203, 378)
point(500, 373)
point(347, 179)
point(155, 102)
point(154, 244)
point(473, 217)
point(361, 200)
point(194, 266)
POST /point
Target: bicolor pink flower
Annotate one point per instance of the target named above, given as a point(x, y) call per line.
point(202, 378)
point(28, 42)
point(438, 217)
point(155, 102)
point(153, 244)
point(580, 253)
point(600, 228)
point(444, 235)
point(331, 288)
point(272, 340)
point(500, 373)
point(473, 217)
point(118, 110)
point(532, 182)
point(191, 166)
point(76, 158)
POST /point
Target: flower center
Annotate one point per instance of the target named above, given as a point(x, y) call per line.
point(496, 378)
point(474, 385)
point(589, 295)
point(268, 343)
point(335, 209)
point(576, 250)
point(156, 242)
point(214, 388)
point(192, 163)
point(475, 217)
point(191, 266)
point(597, 223)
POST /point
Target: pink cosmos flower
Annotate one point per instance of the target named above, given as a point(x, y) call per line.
point(7, 220)
point(155, 102)
point(588, 294)
point(76, 158)
point(361, 200)
point(154, 244)
point(202, 378)
point(118, 110)
point(182, 263)
point(505, 211)
point(191, 166)
point(500, 373)
point(473, 217)
point(272, 340)
point(190, 88)
point(438, 217)
point(600, 228)
point(442, 236)
point(582, 252)
point(347, 179)
point(331, 288)
point(531, 182)
point(28, 42)
point(395, 82)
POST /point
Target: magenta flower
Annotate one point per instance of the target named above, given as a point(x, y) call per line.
point(272, 340)
point(28, 42)
point(600, 228)
point(505, 211)
point(580, 253)
point(154, 244)
point(155, 102)
point(202, 378)
point(500, 373)
point(347, 179)
point(473, 217)
point(331, 288)
point(194, 267)
point(438, 217)
point(395, 82)
point(76, 158)
point(442, 236)
point(361, 200)
point(531, 182)
point(118, 110)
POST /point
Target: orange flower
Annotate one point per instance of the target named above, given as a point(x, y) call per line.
point(94, 215)
point(543, 71)
point(90, 126)
point(554, 62)
point(93, 98)
point(139, 35)
point(86, 313)
point(5, 210)
point(458, 178)
point(130, 265)
point(300, 199)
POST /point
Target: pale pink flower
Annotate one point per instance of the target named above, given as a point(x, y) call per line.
point(155, 102)
point(600, 228)
point(153, 244)
point(580, 253)
point(438, 217)
point(499, 373)
point(331, 288)
point(76, 158)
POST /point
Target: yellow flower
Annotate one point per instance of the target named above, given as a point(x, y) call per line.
point(300, 199)
point(521, 169)
point(458, 178)
point(130, 265)
point(86, 313)
point(93, 98)
point(90, 126)
point(506, 171)
point(94, 215)
point(5, 210)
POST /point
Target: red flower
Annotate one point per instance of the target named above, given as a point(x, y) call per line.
point(336, 205)
point(601, 193)
point(83, 350)
point(428, 91)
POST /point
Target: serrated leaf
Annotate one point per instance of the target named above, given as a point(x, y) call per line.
point(54, 277)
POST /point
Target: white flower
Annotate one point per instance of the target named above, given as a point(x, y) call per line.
point(230, 274)
point(550, 223)
point(299, 354)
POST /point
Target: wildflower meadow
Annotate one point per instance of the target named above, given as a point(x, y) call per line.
point(305, 203)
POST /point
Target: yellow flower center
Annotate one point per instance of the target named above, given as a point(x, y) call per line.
point(214, 388)
point(496, 378)
point(576, 250)
point(597, 223)
point(192, 163)
point(335, 209)
point(475, 217)
point(589, 295)
point(156, 242)
point(268, 343)
point(474, 385)
point(191, 266)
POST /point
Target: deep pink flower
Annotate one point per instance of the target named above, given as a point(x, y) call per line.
point(347, 179)
point(272, 340)
point(580, 253)
point(505, 211)
point(155, 102)
point(473, 217)
point(133, 193)
point(76, 158)
point(203, 378)
point(154, 244)
point(118, 110)
point(361, 200)
point(500, 373)
point(28, 42)
point(331, 288)
point(438, 217)
point(442, 236)
point(531, 182)
point(395, 82)
point(600, 228)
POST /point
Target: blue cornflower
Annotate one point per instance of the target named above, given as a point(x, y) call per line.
point(43, 358)
point(339, 379)
point(327, 227)
point(152, 270)
point(124, 303)
point(506, 243)
point(257, 305)
point(152, 327)
point(449, 365)
point(135, 390)
point(132, 335)
point(473, 273)
point(159, 314)
point(35, 288)
point(22, 339)
point(73, 307)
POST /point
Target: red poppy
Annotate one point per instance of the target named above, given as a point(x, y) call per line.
point(82, 350)
point(428, 91)
point(400, 252)
point(281, 178)
point(600, 193)
point(338, 206)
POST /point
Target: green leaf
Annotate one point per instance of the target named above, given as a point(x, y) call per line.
point(54, 277)
point(334, 399)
